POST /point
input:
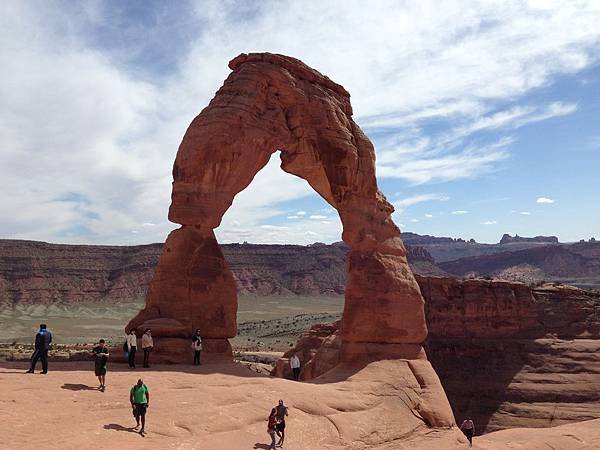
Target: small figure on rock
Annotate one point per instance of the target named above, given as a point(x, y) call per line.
point(43, 339)
point(295, 365)
point(131, 348)
point(468, 427)
point(282, 411)
point(147, 346)
point(197, 347)
point(272, 423)
point(139, 397)
point(101, 355)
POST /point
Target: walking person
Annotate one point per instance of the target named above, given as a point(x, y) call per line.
point(468, 428)
point(131, 348)
point(295, 365)
point(281, 413)
point(139, 396)
point(272, 423)
point(197, 346)
point(101, 355)
point(43, 339)
point(147, 346)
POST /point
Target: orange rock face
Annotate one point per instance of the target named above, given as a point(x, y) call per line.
point(270, 103)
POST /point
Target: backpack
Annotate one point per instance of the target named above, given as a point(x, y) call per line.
point(125, 347)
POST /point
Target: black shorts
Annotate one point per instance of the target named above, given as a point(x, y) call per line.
point(139, 409)
point(99, 371)
point(280, 426)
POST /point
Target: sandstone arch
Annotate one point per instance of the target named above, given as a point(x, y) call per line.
point(269, 103)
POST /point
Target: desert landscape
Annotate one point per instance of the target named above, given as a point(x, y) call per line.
point(211, 251)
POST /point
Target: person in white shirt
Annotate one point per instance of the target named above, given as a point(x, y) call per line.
point(295, 365)
point(131, 348)
point(147, 346)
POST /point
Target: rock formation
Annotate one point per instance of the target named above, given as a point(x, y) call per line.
point(270, 103)
point(507, 355)
point(508, 239)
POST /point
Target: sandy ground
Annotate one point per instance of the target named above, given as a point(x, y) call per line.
point(226, 406)
point(211, 407)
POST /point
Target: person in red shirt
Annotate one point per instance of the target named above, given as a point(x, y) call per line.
point(468, 427)
point(271, 427)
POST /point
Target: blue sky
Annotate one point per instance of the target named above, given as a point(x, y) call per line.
point(484, 115)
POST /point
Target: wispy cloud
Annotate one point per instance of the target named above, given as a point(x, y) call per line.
point(544, 200)
point(525, 213)
point(489, 222)
point(102, 119)
point(459, 212)
point(409, 201)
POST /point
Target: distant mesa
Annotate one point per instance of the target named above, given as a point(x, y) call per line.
point(508, 239)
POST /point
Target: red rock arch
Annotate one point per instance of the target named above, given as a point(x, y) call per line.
point(269, 103)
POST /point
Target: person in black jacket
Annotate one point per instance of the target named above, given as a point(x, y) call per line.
point(43, 339)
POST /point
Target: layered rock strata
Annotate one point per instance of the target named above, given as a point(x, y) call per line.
point(270, 103)
point(508, 355)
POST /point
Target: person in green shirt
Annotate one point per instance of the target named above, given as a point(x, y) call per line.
point(139, 396)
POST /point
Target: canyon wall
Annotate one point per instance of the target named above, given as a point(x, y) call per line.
point(41, 273)
point(507, 355)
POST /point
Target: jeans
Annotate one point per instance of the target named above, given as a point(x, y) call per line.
point(147, 351)
point(296, 372)
point(39, 354)
point(197, 357)
point(272, 434)
point(131, 358)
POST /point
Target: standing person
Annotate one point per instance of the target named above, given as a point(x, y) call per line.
point(131, 348)
point(295, 365)
point(197, 346)
point(468, 427)
point(43, 339)
point(281, 412)
point(147, 346)
point(101, 355)
point(271, 427)
point(139, 396)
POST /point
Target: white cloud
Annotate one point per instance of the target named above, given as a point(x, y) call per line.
point(317, 216)
point(544, 200)
point(409, 201)
point(77, 122)
point(459, 212)
point(428, 216)
point(525, 213)
point(489, 222)
point(414, 220)
point(293, 217)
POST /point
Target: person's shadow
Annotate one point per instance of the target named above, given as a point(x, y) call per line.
point(78, 387)
point(117, 427)
point(263, 446)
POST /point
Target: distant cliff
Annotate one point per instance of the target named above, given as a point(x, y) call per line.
point(38, 272)
point(550, 261)
point(508, 239)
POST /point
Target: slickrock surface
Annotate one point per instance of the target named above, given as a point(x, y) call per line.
point(381, 406)
point(507, 355)
point(226, 407)
point(270, 103)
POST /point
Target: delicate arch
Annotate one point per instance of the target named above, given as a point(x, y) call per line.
point(269, 103)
